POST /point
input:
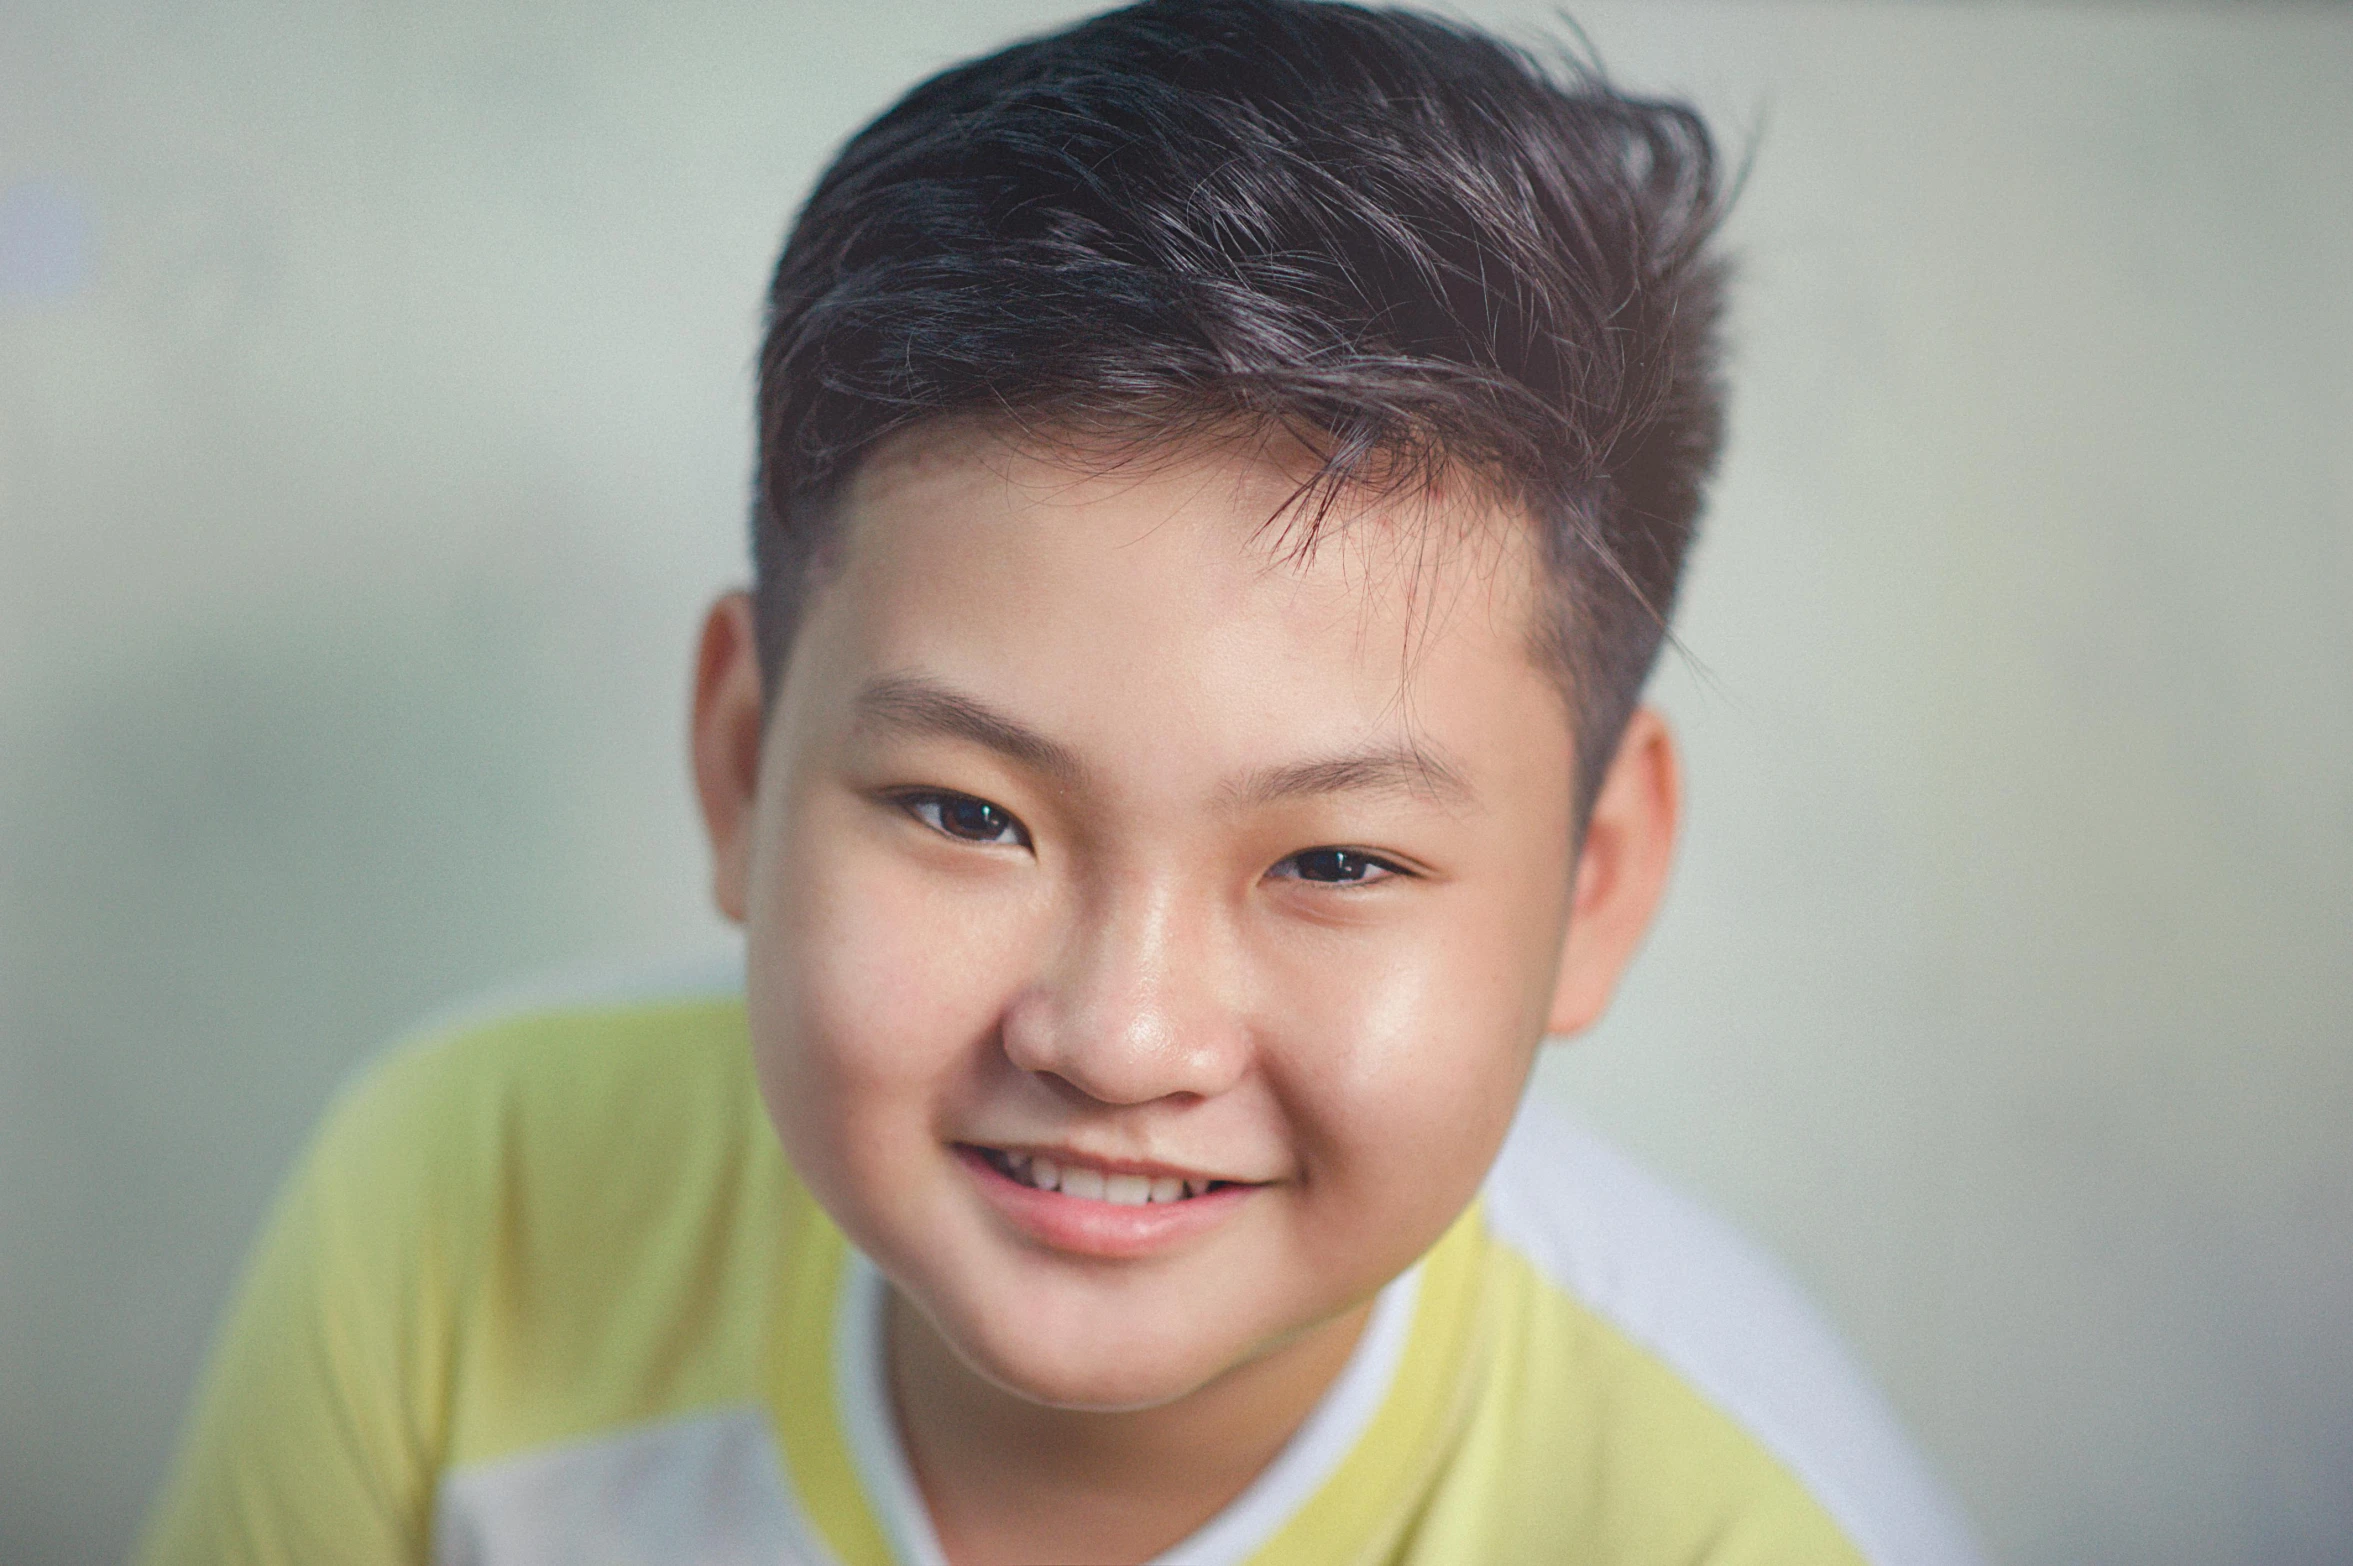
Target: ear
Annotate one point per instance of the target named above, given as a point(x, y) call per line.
point(726, 745)
point(1621, 870)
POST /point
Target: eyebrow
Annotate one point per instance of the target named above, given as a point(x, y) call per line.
point(915, 704)
point(912, 704)
point(1415, 771)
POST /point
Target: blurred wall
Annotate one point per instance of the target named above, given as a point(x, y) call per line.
point(373, 396)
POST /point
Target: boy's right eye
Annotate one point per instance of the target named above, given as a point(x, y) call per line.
point(965, 818)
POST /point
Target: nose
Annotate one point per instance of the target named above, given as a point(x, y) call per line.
point(1136, 1005)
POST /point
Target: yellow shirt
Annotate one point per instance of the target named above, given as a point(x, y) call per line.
point(544, 1290)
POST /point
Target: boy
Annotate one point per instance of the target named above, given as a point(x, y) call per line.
point(1223, 469)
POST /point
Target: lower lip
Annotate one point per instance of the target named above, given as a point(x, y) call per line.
point(1093, 1228)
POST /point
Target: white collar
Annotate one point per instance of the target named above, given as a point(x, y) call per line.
point(1331, 1430)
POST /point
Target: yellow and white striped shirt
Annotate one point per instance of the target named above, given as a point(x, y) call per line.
point(545, 1290)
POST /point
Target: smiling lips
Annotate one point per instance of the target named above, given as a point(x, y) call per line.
point(1096, 1211)
point(1093, 1184)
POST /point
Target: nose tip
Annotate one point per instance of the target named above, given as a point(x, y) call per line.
point(1131, 1015)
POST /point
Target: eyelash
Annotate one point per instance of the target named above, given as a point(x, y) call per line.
point(931, 807)
point(1387, 868)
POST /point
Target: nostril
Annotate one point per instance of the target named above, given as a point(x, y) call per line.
point(1115, 1031)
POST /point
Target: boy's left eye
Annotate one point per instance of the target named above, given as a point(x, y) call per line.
point(1335, 866)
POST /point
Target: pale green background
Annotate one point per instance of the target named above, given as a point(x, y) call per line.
point(363, 473)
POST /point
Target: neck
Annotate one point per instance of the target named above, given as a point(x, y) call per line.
point(1007, 1480)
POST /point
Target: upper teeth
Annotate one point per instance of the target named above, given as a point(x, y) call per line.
point(1121, 1190)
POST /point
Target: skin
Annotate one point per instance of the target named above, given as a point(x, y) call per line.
point(1088, 821)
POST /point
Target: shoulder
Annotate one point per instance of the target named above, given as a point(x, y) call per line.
point(581, 1027)
point(488, 1247)
point(589, 1174)
point(521, 1131)
point(539, 1070)
point(1683, 1289)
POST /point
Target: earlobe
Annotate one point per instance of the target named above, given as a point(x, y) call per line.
point(1622, 867)
point(725, 745)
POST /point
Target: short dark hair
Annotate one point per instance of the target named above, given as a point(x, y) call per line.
point(1417, 246)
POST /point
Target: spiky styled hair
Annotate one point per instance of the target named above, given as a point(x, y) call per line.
point(1417, 248)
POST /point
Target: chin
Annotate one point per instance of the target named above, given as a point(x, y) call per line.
point(1113, 1372)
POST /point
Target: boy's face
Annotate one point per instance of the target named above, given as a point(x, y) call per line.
point(1089, 830)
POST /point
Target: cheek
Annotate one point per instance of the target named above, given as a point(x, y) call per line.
point(875, 987)
point(1407, 1060)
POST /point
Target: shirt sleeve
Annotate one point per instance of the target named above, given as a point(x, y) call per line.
point(318, 1428)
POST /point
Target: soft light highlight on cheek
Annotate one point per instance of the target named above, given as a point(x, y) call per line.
point(1411, 1054)
point(1351, 1047)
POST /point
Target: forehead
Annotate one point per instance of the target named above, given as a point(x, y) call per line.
point(1195, 575)
point(1248, 503)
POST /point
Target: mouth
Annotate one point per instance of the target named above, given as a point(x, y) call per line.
point(1094, 1182)
point(1083, 1207)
